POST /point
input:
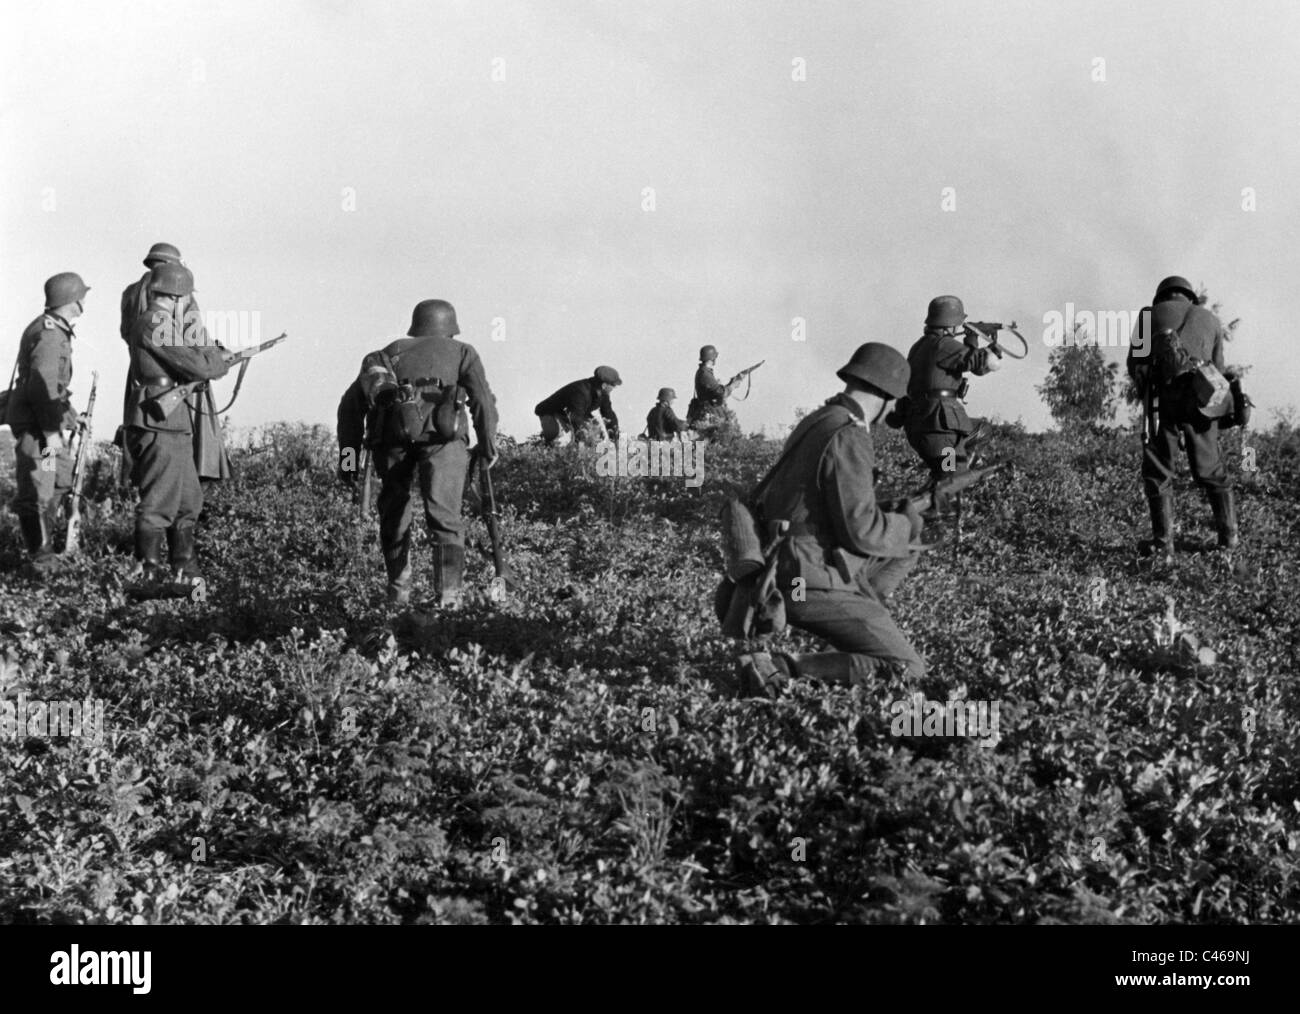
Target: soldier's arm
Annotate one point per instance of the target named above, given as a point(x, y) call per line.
point(189, 364)
point(670, 417)
point(47, 397)
point(607, 413)
point(482, 403)
point(958, 357)
point(860, 526)
point(1219, 336)
point(709, 384)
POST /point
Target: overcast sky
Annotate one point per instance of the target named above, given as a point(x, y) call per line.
point(329, 164)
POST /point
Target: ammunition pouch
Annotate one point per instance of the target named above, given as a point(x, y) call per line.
point(432, 415)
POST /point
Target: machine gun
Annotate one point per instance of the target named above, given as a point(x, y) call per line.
point(73, 540)
point(977, 329)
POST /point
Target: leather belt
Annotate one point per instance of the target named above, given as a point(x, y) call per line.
point(939, 392)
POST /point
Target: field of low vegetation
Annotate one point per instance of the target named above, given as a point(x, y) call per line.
point(292, 750)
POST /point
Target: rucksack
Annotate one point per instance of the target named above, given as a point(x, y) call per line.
point(1197, 386)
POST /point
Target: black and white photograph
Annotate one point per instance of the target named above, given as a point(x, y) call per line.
point(656, 463)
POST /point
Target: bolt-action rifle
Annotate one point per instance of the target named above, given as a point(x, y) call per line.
point(744, 375)
point(167, 402)
point(73, 541)
point(977, 329)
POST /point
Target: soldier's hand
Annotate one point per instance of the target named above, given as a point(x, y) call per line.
point(911, 510)
point(992, 363)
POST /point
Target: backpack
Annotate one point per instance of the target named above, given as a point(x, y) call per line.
point(1197, 387)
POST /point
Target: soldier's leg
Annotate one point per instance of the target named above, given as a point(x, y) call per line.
point(1211, 473)
point(1158, 484)
point(883, 576)
point(37, 500)
point(160, 499)
point(859, 627)
point(182, 534)
point(396, 469)
point(443, 468)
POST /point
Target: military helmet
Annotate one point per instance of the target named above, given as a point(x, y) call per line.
point(1175, 283)
point(665, 393)
point(162, 253)
point(708, 352)
point(64, 288)
point(945, 311)
point(171, 279)
point(882, 366)
point(433, 317)
point(608, 375)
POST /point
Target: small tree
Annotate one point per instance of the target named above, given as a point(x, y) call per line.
point(1080, 384)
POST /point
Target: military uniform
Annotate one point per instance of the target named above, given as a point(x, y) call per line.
point(569, 408)
point(710, 396)
point(1201, 335)
point(843, 555)
point(662, 422)
point(428, 363)
point(933, 416)
point(161, 447)
point(351, 430)
point(39, 409)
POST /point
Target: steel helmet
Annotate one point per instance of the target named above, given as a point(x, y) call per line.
point(882, 366)
point(666, 393)
point(433, 317)
point(1175, 283)
point(171, 279)
point(608, 375)
point(708, 352)
point(64, 288)
point(162, 253)
point(945, 311)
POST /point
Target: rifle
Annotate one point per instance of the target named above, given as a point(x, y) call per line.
point(79, 473)
point(505, 579)
point(367, 476)
point(977, 329)
point(243, 355)
point(1151, 426)
point(938, 497)
point(742, 375)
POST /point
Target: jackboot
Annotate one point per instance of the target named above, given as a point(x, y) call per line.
point(37, 536)
point(1224, 506)
point(185, 576)
point(151, 577)
point(836, 668)
point(761, 674)
point(1161, 543)
point(448, 574)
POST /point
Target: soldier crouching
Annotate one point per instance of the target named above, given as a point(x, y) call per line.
point(842, 554)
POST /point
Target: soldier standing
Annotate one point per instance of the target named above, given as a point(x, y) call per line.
point(710, 393)
point(42, 418)
point(1200, 335)
point(166, 364)
point(662, 422)
point(932, 415)
point(418, 382)
point(569, 408)
point(843, 556)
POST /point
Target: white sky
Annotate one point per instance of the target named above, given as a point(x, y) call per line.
point(233, 129)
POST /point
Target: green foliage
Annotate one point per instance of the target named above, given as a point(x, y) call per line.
point(1080, 385)
point(564, 757)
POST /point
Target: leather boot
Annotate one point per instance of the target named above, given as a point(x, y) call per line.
point(1161, 543)
point(1224, 506)
point(38, 537)
point(151, 579)
point(448, 574)
point(761, 674)
point(184, 567)
point(837, 668)
point(33, 532)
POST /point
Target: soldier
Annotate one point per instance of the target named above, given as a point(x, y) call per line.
point(42, 418)
point(423, 432)
point(710, 393)
point(843, 556)
point(1201, 335)
point(569, 408)
point(159, 435)
point(351, 431)
point(662, 422)
point(932, 414)
point(211, 458)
